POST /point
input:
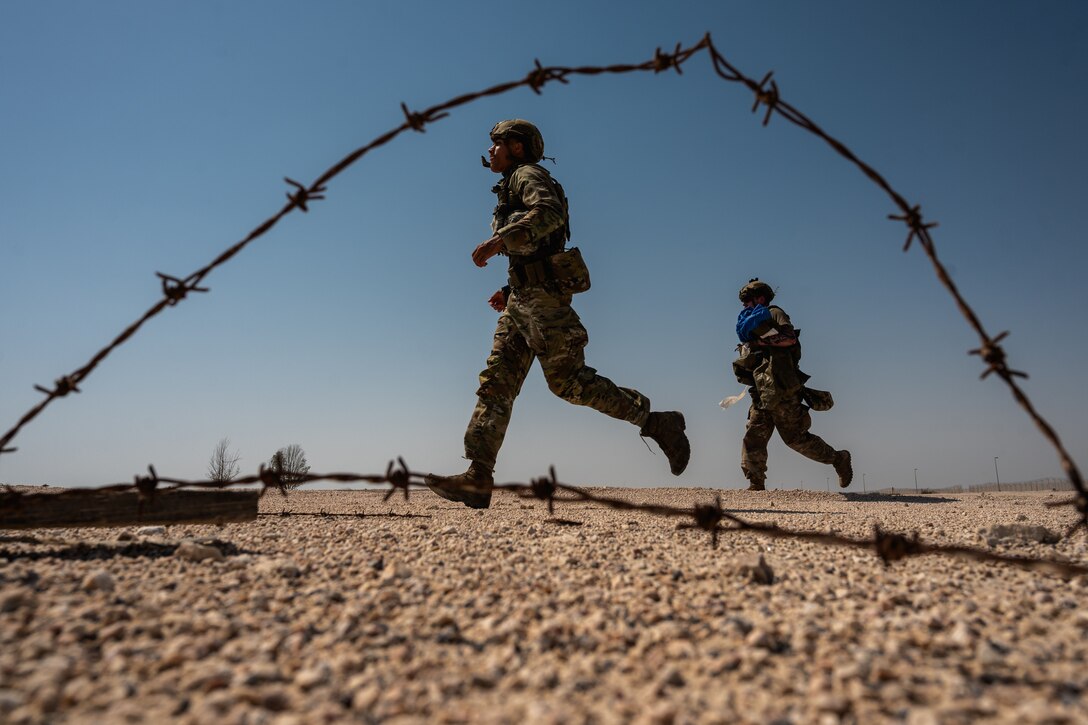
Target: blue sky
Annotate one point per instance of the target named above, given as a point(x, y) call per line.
point(139, 137)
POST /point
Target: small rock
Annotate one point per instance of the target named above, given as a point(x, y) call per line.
point(741, 625)
point(275, 700)
point(758, 638)
point(663, 713)
point(1022, 532)
point(309, 678)
point(151, 531)
point(281, 567)
point(14, 599)
point(365, 698)
point(242, 561)
point(100, 580)
point(1038, 710)
point(829, 702)
point(198, 552)
point(671, 678)
point(218, 679)
point(395, 571)
point(262, 675)
point(961, 634)
point(989, 654)
point(449, 634)
point(9, 700)
point(922, 716)
point(755, 569)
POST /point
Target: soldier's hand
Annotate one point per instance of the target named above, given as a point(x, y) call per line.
point(486, 250)
point(498, 301)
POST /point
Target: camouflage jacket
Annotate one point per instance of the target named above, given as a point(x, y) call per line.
point(772, 372)
point(530, 201)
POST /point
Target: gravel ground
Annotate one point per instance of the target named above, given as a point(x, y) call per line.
point(364, 611)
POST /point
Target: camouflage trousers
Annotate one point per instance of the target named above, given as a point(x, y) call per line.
point(538, 324)
point(792, 419)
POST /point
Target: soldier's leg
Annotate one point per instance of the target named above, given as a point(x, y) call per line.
point(564, 365)
point(793, 421)
point(753, 450)
point(559, 340)
point(500, 383)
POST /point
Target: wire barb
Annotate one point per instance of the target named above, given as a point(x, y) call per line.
point(708, 517)
point(416, 121)
point(537, 77)
point(397, 478)
point(302, 195)
point(272, 479)
point(147, 485)
point(994, 356)
point(893, 547)
point(545, 487)
point(664, 61)
point(913, 219)
point(767, 96)
point(64, 385)
point(175, 289)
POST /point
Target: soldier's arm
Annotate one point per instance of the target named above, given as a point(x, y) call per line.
point(498, 300)
point(544, 215)
point(782, 339)
point(779, 333)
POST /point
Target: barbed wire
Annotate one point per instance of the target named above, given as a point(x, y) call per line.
point(766, 94)
point(890, 547)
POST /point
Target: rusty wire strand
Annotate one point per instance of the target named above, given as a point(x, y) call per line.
point(890, 547)
point(175, 289)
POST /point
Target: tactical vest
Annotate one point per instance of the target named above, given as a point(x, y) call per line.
point(509, 204)
point(772, 372)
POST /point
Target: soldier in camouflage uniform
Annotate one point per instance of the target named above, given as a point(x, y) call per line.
point(536, 322)
point(768, 361)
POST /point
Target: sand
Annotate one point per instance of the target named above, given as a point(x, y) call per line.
point(425, 611)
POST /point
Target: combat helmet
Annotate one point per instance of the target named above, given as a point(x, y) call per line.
point(523, 131)
point(756, 288)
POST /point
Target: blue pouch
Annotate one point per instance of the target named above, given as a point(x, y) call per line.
point(749, 319)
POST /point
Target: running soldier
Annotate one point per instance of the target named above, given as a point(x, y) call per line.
point(768, 357)
point(531, 227)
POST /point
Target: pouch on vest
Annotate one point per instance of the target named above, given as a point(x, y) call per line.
point(777, 380)
point(745, 365)
point(818, 400)
point(571, 273)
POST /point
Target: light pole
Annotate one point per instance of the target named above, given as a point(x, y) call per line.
point(916, 480)
point(829, 484)
point(996, 475)
point(863, 483)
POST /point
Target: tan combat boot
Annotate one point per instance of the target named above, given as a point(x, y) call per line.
point(472, 488)
point(844, 468)
point(756, 486)
point(667, 430)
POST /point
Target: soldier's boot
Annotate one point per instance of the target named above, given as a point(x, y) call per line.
point(667, 430)
point(756, 485)
point(472, 488)
point(844, 468)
